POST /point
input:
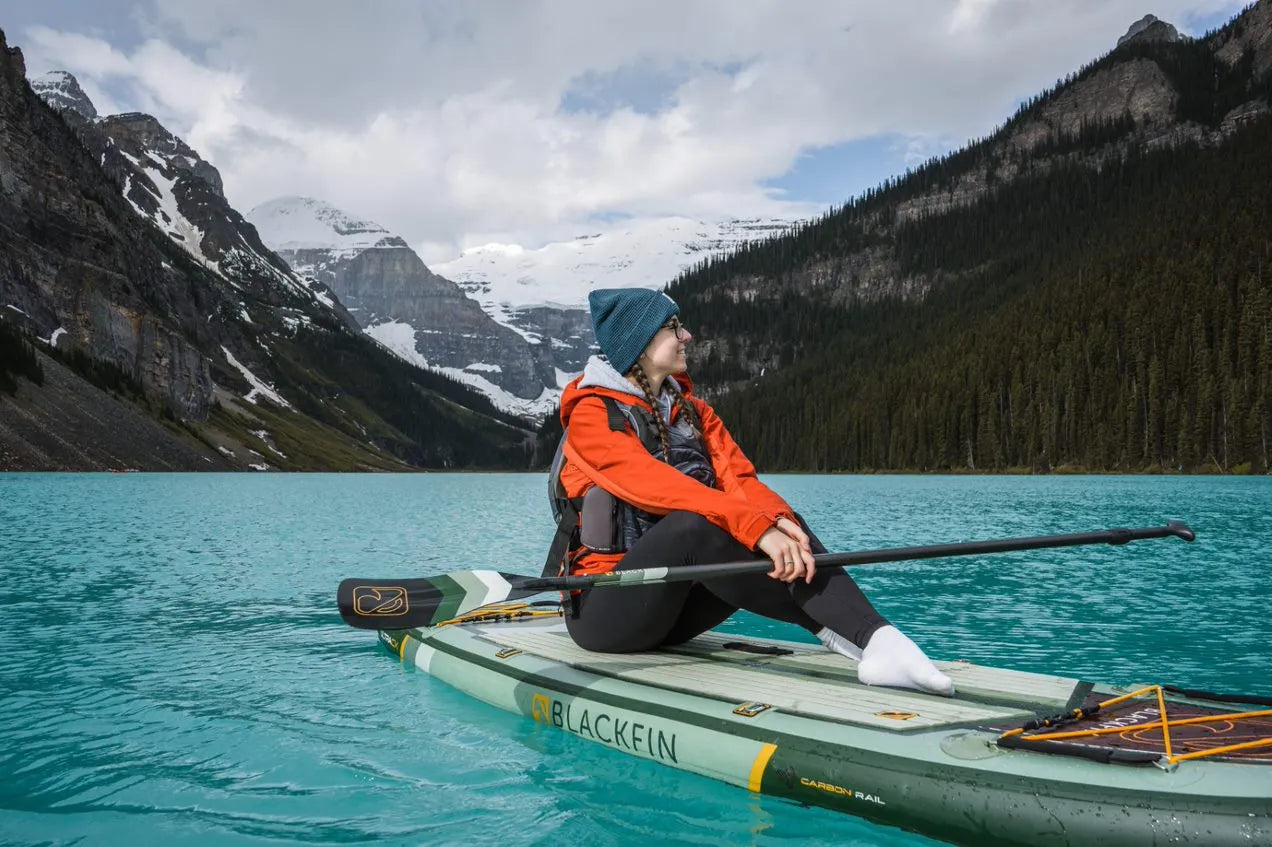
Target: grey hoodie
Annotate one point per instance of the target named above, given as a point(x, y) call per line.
point(601, 373)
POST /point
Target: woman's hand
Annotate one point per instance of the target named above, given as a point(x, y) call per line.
point(795, 531)
point(787, 545)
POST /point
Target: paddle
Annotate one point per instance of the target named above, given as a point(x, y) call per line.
point(408, 603)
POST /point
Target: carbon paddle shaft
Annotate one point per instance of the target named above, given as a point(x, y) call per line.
point(428, 601)
point(1177, 529)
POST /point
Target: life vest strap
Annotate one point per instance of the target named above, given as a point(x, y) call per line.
point(617, 420)
point(566, 530)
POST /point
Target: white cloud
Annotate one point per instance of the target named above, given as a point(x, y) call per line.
point(445, 122)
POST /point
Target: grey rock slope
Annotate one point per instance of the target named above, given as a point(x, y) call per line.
point(70, 424)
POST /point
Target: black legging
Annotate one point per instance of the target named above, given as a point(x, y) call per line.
point(631, 620)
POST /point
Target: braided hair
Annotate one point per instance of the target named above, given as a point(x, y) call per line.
point(687, 411)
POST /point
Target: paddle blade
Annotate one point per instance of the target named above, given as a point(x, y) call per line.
point(425, 601)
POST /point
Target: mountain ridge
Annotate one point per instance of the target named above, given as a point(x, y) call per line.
point(819, 332)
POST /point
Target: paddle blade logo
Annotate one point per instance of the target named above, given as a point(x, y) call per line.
point(371, 601)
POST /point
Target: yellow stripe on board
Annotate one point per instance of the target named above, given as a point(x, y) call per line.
point(402, 649)
point(758, 766)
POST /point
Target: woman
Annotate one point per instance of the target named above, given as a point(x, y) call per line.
point(663, 484)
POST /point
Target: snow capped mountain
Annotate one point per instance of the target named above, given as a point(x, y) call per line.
point(303, 223)
point(62, 91)
point(507, 278)
point(201, 321)
point(422, 317)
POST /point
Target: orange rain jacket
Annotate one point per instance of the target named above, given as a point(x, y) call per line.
point(596, 455)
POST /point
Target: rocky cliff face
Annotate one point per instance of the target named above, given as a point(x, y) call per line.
point(1251, 34)
point(81, 269)
point(1123, 87)
point(170, 184)
point(1137, 89)
point(167, 183)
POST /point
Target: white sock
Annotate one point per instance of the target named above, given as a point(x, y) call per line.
point(838, 644)
point(891, 658)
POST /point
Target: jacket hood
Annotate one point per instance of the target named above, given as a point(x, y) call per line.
point(600, 379)
point(599, 373)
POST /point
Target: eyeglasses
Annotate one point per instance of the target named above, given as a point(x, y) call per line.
point(678, 328)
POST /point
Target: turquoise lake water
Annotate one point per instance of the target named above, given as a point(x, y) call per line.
point(173, 669)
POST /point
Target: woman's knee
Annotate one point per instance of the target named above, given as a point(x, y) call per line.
point(708, 542)
point(814, 541)
point(685, 522)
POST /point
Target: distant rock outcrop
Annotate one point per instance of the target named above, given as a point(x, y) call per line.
point(1150, 28)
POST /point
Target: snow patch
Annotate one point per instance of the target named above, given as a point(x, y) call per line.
point(170, 220)
point(506, 401)
point(318, 293)
point(263, 435)
point(258, 387)
point(53, 337)
point(399, 338)
point(563, 377)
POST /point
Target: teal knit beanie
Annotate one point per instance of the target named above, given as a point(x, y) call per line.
point(625, 319)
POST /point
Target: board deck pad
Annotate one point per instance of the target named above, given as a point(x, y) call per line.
point(808, 681)
point(1136, 719)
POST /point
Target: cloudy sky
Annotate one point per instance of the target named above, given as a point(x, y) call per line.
point(456, 124)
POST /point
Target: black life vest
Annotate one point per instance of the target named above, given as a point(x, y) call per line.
point(613, 525)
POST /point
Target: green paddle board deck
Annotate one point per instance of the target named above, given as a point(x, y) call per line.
point(791, 720)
